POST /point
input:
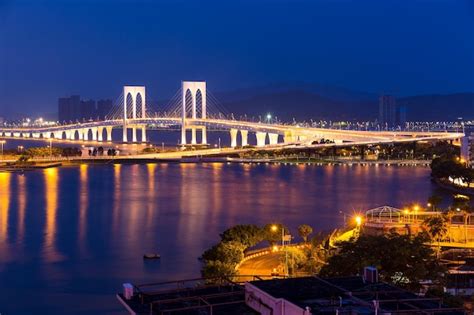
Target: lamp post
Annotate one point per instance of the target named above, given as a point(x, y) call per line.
point(275, 229)
point(269, 118)
point(415, 209)
point(2, 142)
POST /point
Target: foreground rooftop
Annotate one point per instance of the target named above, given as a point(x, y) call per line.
point(307, 295)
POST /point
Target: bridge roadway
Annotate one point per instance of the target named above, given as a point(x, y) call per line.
point(293, 135)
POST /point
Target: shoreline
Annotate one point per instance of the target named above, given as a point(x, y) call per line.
point(58, 162)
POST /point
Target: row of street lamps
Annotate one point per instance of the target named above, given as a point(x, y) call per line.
point(20, 148)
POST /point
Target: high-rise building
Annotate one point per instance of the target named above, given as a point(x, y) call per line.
point(390, 114)
point(103, 108)
point(467, 145)
point(387, 110)
point(401, 115)
point(71, 109)
point(88, 110)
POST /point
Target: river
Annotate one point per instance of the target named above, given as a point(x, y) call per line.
point(69, 237)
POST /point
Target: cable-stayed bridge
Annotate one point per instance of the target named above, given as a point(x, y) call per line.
point(193, 108)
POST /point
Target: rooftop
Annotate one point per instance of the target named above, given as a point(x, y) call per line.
point(350, 294)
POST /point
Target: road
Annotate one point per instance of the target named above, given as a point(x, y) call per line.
point(261, 265)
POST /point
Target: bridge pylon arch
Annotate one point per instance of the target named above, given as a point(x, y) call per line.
point(135, 92)
point(194, 88)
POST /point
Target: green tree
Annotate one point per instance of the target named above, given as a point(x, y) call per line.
point(401, 259)
point(225, 252)
point(304, 231)
point(272, 233)
point(436, 227)
point(216, 268)
point(296, 259)
point(247, 234)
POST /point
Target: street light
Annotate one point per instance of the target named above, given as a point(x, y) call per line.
point(2, 142)
point(269, 117)
point(274, 228)
point(416, 208)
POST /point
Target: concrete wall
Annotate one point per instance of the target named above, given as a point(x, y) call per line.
point(266, 304)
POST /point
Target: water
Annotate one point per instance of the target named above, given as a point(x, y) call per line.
point(69, 237)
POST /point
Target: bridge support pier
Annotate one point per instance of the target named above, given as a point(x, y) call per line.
point(108, 130)
point(233, 137)
point(16, 134)
point(58, 135)
point(100, 131)
point(183, 134)
point(204, 135)
point(261, 136)
point(289, 137)
point(193, 135)
point(124, 136)
point(85, 134)
point(34, 135)
point(143, 134)
point(134, 134)
point(244, 135)
point(94, 134)
point(273, 138)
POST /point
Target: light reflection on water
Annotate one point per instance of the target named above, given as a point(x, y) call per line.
point(70, 237)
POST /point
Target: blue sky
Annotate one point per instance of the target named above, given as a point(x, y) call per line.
point(56, 48)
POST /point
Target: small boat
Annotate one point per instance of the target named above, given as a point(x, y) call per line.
point(151, 256)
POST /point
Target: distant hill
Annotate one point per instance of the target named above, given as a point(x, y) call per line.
point(439, 107)
point(298, 104)
point(305, 101)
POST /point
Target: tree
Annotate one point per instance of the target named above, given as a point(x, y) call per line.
point(304, 231)
point(247, 234)
point(219, 269)
point(401, 259)
point(225, 252)
point(296, 259)
point(272, 233)
point(436, 227)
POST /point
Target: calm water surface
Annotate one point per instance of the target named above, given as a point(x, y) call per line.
point(69, 237)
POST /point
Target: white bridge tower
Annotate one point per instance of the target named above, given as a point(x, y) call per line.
point(191, 90)
point(133, 95)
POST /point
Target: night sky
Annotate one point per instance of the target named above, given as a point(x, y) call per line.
point(56, 48)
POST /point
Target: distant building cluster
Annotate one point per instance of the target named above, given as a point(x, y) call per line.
point(72, 109)
point(390, 114)
point(467, 145)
